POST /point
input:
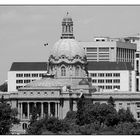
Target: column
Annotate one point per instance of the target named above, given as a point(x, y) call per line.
point(49, 109)
point(42, 109)
point(120, 54)
point(123, 54)
point(18, 110)
point(21, 111)
point(56, 110)
point(28, 113)
point(60, 112)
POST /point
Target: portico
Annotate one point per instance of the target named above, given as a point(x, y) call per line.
point(49, 108)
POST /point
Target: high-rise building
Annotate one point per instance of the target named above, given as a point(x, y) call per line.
point(109, 49)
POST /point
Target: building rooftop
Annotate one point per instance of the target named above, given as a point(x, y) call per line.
point(109, 66)
point(42, 66)
point(29, 66)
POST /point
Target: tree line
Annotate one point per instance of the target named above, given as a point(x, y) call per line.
point(89, 119)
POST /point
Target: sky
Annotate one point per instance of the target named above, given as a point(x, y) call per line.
point(25, 29)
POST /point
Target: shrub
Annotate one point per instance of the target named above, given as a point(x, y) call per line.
point(55, 125)
point(124, 128)
point(70, 117)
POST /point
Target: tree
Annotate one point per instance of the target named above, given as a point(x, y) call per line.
point(125, 116)
point(70, 117)
point(55, 125)
point(34, 116)
point(31, 128)
point(4, 87)
point(7, 117)
point(102, 113)
point(82, 104)
point(111, 101)
point(126, 128)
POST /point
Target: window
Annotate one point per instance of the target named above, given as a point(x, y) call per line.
point(101, 81)
point(17, 87)
point(63, 71)
point(38, 92)
point(77, 71)
point(138, 105)
point(137, 65)
point(102, 87)
point(116, 74)
point(116, 80)
point(101, 74)
point(26, 81)
point(31, 92)
point(24, 92)
point(138, 114)
point(19, 81)
point(41, 75)
point(103, 49)
point(52, 92)
point(108, 87)
point(116, 87)
point(108, 81)
point(94, 81)
point(19, 75)
point(108, 74)
point(45, 93)
point(91, 49)
point(93, 74)
point(27, 75)
point(34, 75)
point(137, 55)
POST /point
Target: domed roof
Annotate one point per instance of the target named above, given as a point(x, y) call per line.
point(52, 82)
point(67, 47)
point(67, 18)
point(46, 82)
point(83, 82)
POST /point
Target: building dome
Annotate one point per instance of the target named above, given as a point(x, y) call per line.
point(68, 48)
point(83, 82)
point(67, 18)
point(52, 82)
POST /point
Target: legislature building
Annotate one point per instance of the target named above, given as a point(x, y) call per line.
point(99, 69)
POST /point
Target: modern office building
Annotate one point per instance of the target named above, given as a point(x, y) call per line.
point(107, 49)
point(109, 76)
point(22, 73)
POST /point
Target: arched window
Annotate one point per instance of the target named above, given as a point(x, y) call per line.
point(63, 71)
point(77, 71)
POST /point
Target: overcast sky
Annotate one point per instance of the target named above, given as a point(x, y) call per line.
point(24, 29)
